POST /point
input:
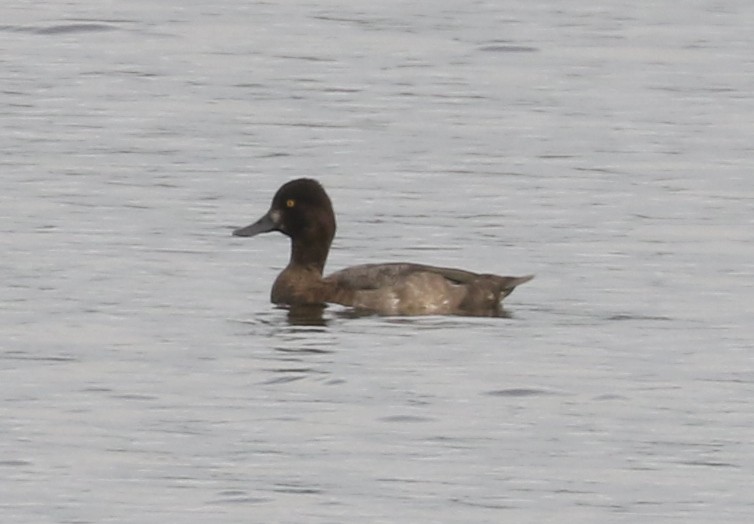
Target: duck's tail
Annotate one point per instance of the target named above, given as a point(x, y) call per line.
point(508, 284)
point(485, 294)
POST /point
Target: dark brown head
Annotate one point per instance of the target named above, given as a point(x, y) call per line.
point(301, 210)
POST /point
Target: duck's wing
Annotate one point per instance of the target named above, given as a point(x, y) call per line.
point(411, 289)
point(375, 276)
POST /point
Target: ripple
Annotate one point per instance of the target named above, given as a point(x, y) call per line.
point(610, 396)
point(75, 28)
point(298, 490)
point(628, 316)
point(503, 48)
point(406, 418)
point(14, 463)
point(519, 392)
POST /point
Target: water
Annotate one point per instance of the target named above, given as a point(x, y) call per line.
point(146, 378)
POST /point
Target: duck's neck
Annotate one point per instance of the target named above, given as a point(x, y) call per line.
point(310, 252)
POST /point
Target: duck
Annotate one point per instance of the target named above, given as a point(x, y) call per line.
point(302, 210)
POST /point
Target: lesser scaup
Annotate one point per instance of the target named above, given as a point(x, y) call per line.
point(302, 210)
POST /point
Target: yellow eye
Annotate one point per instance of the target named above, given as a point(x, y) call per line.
point(290, 202)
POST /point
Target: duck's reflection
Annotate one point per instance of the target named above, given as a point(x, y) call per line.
point(307, 315)
point(314, 314)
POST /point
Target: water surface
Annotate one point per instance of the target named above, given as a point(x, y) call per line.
point(144, 377)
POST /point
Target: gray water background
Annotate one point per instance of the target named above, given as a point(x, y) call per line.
point(605, 146)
